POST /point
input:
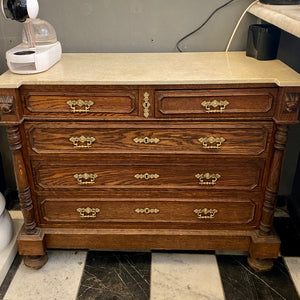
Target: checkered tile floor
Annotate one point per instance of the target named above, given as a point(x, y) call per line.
point(100, 275)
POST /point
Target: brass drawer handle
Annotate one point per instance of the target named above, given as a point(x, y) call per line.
point(146, 176)
point(88, 212)
point(211, 140)
point(79, 142)
point(147, 211)
point(81, 103)
point(214, 104)
point(205, 213)
point(146, 140)
point(204, 177)
point(85, 178)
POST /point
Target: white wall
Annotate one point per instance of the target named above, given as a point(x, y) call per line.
point(134, 25)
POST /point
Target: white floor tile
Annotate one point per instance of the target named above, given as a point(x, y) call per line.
point(58, 279)
point(185, 276)
point(293, 264)
point(281, 213)
point(8, 254)
point(16, 214)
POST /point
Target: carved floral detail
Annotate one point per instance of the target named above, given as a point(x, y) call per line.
point(291, 102)
point(6, 104)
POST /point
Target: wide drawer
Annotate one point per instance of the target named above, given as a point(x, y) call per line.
point(198, 138)
point(238, 174)
point(252, 103)
point(163, 211)
point(117, 103)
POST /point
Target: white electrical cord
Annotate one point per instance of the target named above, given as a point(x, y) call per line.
point(238, 24)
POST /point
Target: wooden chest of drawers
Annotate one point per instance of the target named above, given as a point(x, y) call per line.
point(181, 166)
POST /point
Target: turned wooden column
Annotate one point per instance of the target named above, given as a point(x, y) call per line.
point(273, 183)
point(24, 192)
point(11, 116)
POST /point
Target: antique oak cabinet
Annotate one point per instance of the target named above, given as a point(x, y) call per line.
point(150, 151)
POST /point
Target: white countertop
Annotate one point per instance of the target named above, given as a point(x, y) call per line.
point(158, 68)
point(286, 17)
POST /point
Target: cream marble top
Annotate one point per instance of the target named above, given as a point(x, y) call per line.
point(286, 17)
point(158, 68)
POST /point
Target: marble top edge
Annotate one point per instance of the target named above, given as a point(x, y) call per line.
point(157, 69)
point(286, 17)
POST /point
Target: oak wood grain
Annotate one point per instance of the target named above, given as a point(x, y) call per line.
point(58, 175)
point(110, 103)
point(190, 103)
point(237, 139)
point(248, 162)
point(134, 211)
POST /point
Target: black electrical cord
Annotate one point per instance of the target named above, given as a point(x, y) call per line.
point(203, 24)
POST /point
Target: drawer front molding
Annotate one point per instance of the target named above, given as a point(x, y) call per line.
point(227, 211)
point(199, 138)
point(237, 103)
point(152, 176)
point(108, 104)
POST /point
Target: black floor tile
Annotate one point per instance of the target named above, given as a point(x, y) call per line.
point(289, 236)
point(10, 275)
point(115, 276)
point(211, 252)
point(240, 282)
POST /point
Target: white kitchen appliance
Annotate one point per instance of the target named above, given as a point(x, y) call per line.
point(6, 227)
point(39, 49)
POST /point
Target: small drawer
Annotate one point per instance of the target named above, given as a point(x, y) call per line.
point(116, 103)
point(205, 174)
point(195, 138)
point(195, 212)
point(227, 103)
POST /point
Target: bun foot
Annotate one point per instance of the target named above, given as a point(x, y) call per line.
point(260, 265)
point(35, 262)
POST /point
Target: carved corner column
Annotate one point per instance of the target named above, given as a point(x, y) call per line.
point(264, 243)
point(24, 192)
point(273, 182)
point(31, 238)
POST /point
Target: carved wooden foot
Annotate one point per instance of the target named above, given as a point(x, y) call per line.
point(260, 265)
point(35, 262)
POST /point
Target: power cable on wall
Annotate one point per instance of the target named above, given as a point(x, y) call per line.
point(209, 17)
point(202, 25)
point(238, 24)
